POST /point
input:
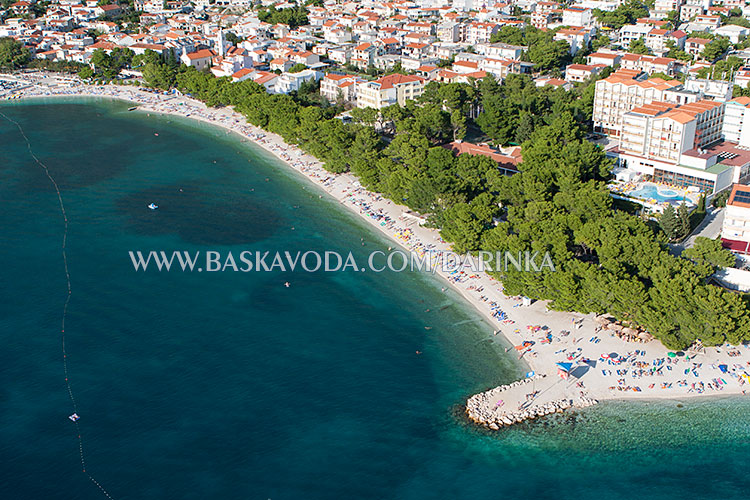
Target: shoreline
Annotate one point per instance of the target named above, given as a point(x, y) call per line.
point(657, 376)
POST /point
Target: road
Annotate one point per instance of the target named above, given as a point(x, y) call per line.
point(710, 227)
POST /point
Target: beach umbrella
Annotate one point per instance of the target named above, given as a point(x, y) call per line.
point(563, 370)
point(672, 354)
point(613, 355)
point(564, 366)
point(680, 353)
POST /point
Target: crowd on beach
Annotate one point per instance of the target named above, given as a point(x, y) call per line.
point(544, 348)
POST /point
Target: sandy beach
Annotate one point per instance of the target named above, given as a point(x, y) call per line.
point(603, 366)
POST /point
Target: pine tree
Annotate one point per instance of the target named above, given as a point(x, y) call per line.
point(701, 204)
point(668, 222)
point(683, 218)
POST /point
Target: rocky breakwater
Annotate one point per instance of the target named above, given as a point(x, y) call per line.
point(521, 401)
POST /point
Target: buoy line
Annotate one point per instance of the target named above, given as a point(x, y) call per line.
point(65, 305)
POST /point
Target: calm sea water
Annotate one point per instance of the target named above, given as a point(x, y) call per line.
point(230, 385)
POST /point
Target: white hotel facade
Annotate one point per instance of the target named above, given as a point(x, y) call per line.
point(672, 135)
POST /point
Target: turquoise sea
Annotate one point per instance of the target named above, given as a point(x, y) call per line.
point(233, 386)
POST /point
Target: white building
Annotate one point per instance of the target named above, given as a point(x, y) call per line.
point(464, 5)
point(733, 32)
point(500, 50)
point(291, 82)
point(631, 32)
point(621, 92)
point(340, 87)
point(449, 32)
point(736, 126)
point(478, 32)
point(576, 16)
point(680, 146)
point(715, 89)
point(388, 90)
point(735, 231)
point(200, 60)
point(661, 7)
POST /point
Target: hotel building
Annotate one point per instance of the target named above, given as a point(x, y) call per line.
point(621, 92)
point(681, 146)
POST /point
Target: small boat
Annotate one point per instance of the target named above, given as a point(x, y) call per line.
point(133, 108)
point(153, 206)
point(74, 417)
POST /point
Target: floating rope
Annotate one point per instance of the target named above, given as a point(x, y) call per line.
point(65, 305)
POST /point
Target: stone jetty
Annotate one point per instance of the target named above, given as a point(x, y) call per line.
point(523, 400)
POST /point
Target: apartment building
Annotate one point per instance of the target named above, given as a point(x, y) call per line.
point(576, 16)
point(334, 87)
point(648, 64)
point(477, 32)
point(661, 7)
point(449, 32)
point(692, 8)
point(577, 38)
point(581, 72)
point(388, 90)
point(742, 77)
point(694, 46)
point(714, 89)
point(292, 82)
point(363, 55)
point(631, 32)
point(544, 13)
point(606, 58)
point(735, 231)
point(656, 40)
point(547, 7)
point(736, 126)
point(541, 20)
point(500, 50)
point(200, 60)
point(735, 33)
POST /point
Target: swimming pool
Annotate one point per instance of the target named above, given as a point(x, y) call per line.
point(650, 191)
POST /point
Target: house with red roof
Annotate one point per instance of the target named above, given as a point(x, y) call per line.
point(582, 72)
point(20, 8)
point(109, 11)
point(364, 54)
point(694, 46)
point(607, 58)
point(336, 87)
point(200, 59)
point(388, 45)
point(506, 162)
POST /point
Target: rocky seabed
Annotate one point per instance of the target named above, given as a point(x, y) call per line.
point(481, 408)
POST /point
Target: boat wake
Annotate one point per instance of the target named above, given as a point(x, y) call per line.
point(65, 305)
